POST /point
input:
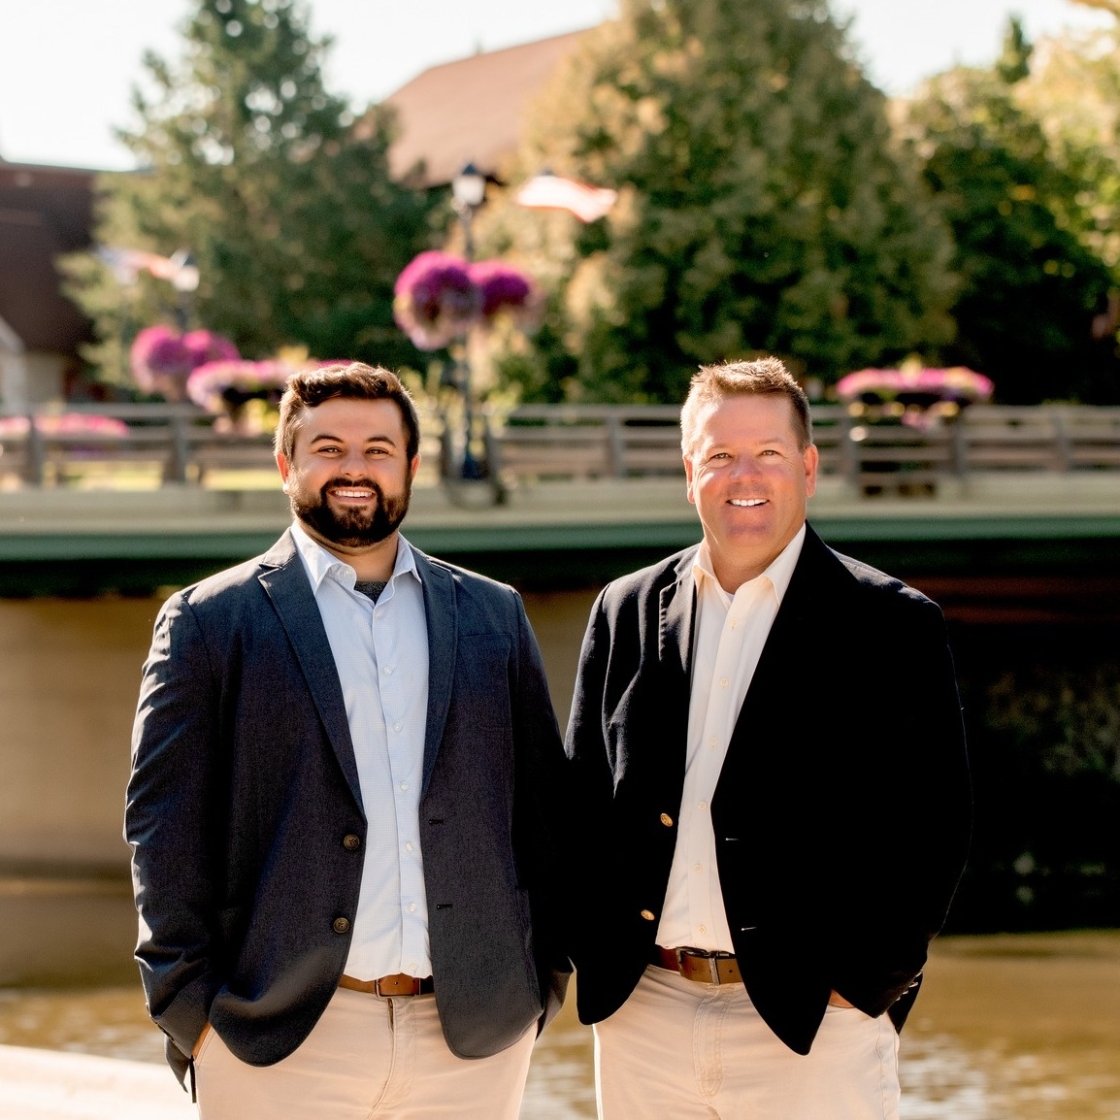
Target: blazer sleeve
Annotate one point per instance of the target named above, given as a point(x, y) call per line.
point(173, 825)
point(539, 758)
point(916, 833)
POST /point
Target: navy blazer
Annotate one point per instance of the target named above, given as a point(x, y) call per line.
point(244, 786)
point(841, 814)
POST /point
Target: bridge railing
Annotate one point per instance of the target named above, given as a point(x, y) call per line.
point(180, 444)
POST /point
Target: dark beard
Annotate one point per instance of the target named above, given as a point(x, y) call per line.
point(353, 528)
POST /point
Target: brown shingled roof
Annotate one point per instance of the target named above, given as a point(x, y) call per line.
point(471, 110)
point(44, 211)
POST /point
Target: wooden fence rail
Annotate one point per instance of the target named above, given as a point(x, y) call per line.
point(592, 441)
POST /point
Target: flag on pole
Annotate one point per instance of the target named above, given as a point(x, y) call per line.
point(126, 264)
point(552, 192)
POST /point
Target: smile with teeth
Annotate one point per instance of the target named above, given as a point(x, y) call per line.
point(362, 495)
point(748, 502)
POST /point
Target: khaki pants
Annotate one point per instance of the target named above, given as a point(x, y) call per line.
point(367, 1057)
point(701, 1052)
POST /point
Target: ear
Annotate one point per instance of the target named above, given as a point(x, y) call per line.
point(413, 467)
point(688, 479)
point(283, 467)
point(811, 459)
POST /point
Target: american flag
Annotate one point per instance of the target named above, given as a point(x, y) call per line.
point(127, 263)
point(552, 192)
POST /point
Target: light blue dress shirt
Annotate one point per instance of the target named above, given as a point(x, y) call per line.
point(381, 654)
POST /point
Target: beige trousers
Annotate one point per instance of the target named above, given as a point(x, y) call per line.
point(367, 1057)
point(693, 1051)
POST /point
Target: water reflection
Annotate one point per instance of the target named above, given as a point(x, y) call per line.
point(1023, 1027)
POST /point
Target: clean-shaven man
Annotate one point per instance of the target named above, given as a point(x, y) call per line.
point(334, 805)
point(767, 799)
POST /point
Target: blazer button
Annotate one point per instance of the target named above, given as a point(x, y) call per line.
point(340, 925)
point(351, 842)
point(649, 915)
point(666, 820)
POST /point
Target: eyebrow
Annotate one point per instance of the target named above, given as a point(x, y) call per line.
point(340, 439)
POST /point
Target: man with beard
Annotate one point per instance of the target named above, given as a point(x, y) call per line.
point(334, 808)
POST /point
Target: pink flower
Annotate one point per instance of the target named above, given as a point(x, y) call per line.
point(955, 384)
point(435, 299)
point(162, 359)
point(504, 289)
point(217, 386)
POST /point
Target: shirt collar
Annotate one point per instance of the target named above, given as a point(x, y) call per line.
point(319, 563)
point(779, 573)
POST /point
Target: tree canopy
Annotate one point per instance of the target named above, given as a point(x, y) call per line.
point(764, 205)
point(251, 164)
point(1033, 286)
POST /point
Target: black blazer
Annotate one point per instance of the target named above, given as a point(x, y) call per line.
point(841, 814)
point(244, 803)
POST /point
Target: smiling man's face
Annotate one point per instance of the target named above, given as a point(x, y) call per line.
point(350, 478)
point(749, 480)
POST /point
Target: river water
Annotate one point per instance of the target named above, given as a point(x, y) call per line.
point(1023, 1027)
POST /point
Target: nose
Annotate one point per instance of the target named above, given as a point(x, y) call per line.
point(353, 464)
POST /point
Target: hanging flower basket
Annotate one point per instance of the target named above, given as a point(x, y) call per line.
point(162, 359)
point(913, 395)
point(225, 388)
point(439, 297)
point(435, 300)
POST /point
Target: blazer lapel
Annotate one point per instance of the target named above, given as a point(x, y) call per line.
point(676, 615)
point(286, 584)
point(805, 608)
point(443, 638)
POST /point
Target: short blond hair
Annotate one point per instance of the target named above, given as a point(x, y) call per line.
point(763, 377)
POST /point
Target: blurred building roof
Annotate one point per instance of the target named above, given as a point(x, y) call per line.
point(471, 110)
point(44, 211)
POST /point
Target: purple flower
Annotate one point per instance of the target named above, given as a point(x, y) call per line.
point(435, 299)
point(218, 386)
point(955, 384)
point(161, 359)
point(503, 288)
point(205, 346)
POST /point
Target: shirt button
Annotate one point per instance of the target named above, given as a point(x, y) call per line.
point(351, 842)
point(378, 614)
point(666, 820)
point(340, 925)
point(713, 742)
point(396, 727)
point(388, 670)
point(412, 907)
point(404, 786)
point(408, 846)
point(734, 623)
point(697, 868)
point(703, 805)
point(723, 682)
point(701, 929)
point(649, 915)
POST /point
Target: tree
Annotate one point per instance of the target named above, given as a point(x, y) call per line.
point(1032, 284)
point(250, 163)
point(764, 206)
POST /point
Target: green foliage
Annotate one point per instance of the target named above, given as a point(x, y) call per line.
point(288, 207)
point(1032, 283)
point(764, 206)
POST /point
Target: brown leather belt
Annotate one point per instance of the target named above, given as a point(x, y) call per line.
point(396, 985)
point(695, 964)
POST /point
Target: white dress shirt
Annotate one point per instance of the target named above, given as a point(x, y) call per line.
point(730, 633)
point(381, 654)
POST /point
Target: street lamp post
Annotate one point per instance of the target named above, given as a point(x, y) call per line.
point(184, 278)
point(468, 191)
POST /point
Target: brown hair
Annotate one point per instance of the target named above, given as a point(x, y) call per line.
point(764, 377)
point(353, 380)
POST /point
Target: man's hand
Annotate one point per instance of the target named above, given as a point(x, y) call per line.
point(837, 1000)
